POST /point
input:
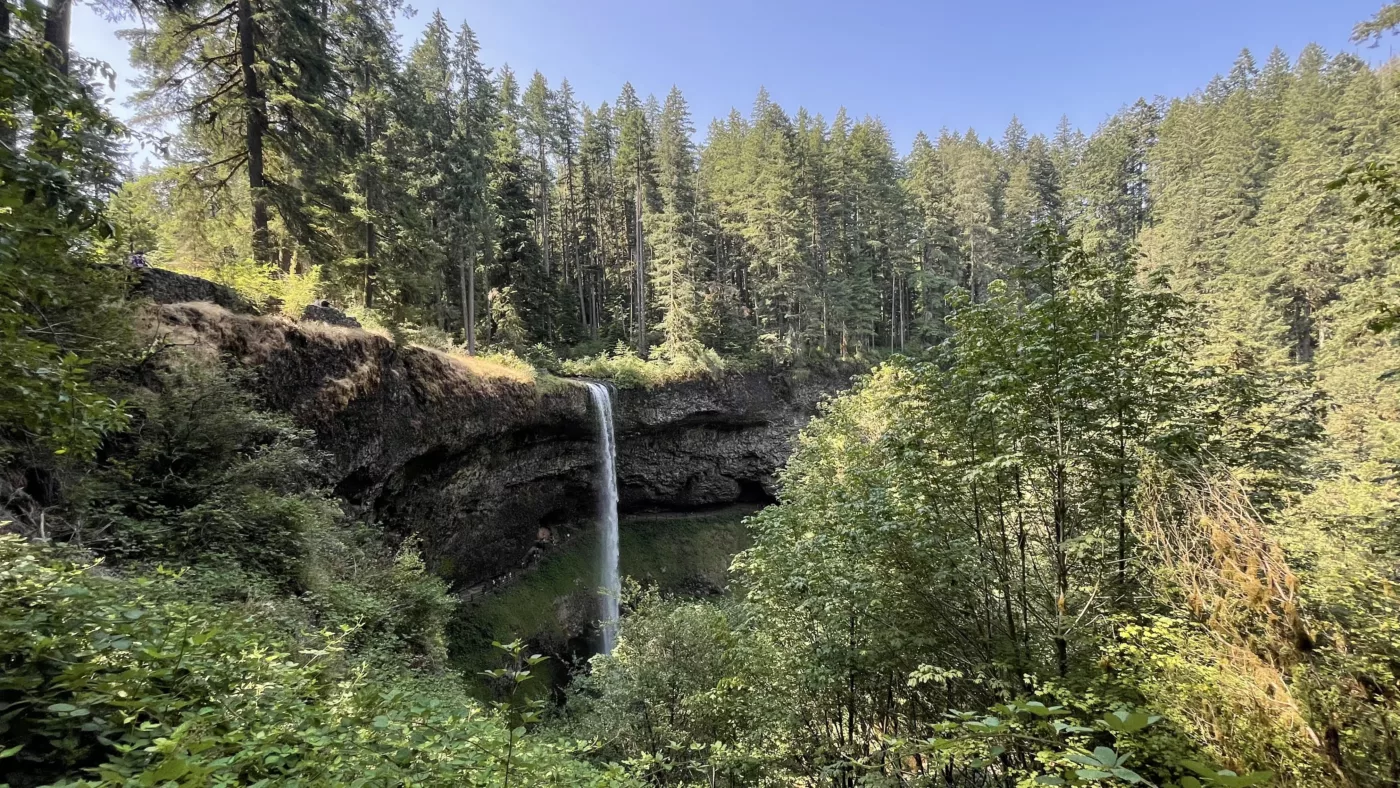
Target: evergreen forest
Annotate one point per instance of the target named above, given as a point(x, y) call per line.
point(1113, 499)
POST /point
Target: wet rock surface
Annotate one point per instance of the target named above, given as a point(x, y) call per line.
point(479, 467)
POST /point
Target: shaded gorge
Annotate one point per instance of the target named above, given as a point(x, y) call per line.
point(554, 606)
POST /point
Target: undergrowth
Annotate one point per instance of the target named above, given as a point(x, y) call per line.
point(202, 613)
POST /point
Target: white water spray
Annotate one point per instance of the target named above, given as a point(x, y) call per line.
point(607, 512)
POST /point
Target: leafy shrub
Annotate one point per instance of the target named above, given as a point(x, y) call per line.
point(1074, 742)
point(693, 695)
point(57, 310)
point(264, 284)
point(678, 698)
point(389, 599)
point(206, 479)
point(116, 681)
point(628, 370)
point(204, 474)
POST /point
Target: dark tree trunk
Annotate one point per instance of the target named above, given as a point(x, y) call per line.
point(57, 25)
point(371, 231)
point(371, 254)
point(8, 134)
point(641, 270)
point(466, 269)
point(256, 121)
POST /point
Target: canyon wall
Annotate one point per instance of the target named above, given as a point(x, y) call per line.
point(487, 467)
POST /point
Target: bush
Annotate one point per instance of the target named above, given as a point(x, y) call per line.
point(204, 474)
point(116, 681)
point(679, 697)
point(206, 479)
point(389, 600)
point(58, 311)
point(626, 369)
point(263, 284)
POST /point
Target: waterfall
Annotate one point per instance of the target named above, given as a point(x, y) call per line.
point(607, 513)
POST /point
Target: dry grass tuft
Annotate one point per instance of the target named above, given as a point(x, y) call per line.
point(491, 366)
point(1229, 651)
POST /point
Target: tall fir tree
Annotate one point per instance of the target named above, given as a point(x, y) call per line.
point(676, 260)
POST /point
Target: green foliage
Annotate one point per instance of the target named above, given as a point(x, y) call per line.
point(1054, 744)
point(117, 681)
point(554, 604)
point(681, 700)
point(57, 310)
point(205, 476)
point(1084, 494)
point(628, 370)
point(987, 523)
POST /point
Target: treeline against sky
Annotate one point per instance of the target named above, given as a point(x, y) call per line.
point(436, 191)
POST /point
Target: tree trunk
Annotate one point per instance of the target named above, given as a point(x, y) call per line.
point(488, 261)
point(371, 252)
point(641, 270)
point(894, 305)
point(571, 234)
point(256, 121)
point(371, 231)
point(1061, 523)
point(8, 134)
point(57, 24)
point(544, 207)
point(467, 280)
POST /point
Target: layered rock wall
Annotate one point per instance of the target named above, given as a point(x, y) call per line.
point(485, 466)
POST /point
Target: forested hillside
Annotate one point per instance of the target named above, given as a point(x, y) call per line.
point(1130, 519)
point(1116, 503)
point(429, 189)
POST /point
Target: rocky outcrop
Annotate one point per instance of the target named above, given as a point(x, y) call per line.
point(485, 466)
point(329, 314)
point(708, 443)
point(171, 287)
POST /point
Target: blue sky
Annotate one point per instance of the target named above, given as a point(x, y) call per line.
point(916, 65)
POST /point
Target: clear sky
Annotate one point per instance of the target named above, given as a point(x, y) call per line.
point(917, 65)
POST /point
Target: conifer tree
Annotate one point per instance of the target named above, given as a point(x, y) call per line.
point(599, 236)
point(1032, 192)
point(566, 137)
point(518, 297)
point(975, 201)
point(937, 252)
point(637, 178)
point(1110, 181)
point(428, 136)
point(476, 116)
point(768, 202)
point(676, 260)
point(366, 50)
point(538, 127)
point(249, 81)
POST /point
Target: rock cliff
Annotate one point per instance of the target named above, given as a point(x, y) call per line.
point(485, 466)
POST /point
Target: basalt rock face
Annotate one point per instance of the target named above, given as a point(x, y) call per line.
point(172, 287)
point(708, 443)
point(488, 470)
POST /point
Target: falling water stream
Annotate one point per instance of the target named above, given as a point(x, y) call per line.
point(607, 512)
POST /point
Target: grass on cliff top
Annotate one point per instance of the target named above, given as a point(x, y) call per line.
point(625, 369)
point(496, 365)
